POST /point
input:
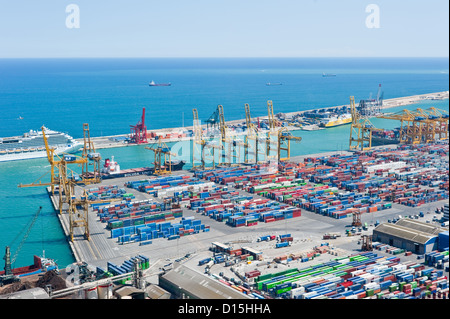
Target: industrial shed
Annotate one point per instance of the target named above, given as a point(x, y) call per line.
point(409, 234)
point(184, 282)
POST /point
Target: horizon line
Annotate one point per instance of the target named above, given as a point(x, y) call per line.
point(233, 57)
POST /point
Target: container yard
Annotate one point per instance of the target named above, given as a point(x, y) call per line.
point(287, 232)
point(359, 224)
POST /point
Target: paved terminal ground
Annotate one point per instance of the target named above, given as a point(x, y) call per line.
point(306, 230)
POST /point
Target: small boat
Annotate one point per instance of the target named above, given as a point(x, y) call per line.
point(275, 83)
point(152, 83)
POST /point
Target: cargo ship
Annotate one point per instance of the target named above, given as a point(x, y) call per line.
point(32, 145)
point(152, 83)
point(40, 265)
point(336, 120)
point(328, 75)
point(112, 170)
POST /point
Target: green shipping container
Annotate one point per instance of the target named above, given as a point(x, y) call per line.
point(280, 291)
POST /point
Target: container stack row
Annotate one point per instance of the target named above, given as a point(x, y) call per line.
point(136, 213)
point(144, 234)
point(128, 266)
point(329, 202)
point(241, 210)
point(436, 258)
point(167, 186)
point(365, 275)
point(108, 192)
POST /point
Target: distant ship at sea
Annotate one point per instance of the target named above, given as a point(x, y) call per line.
point(327, 75)
point(273, 83)
point(152, 83)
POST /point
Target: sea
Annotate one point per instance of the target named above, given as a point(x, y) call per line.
point(110, 94)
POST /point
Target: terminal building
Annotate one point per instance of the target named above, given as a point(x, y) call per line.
point(409, 234)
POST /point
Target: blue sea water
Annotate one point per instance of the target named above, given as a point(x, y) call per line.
point(109, 94)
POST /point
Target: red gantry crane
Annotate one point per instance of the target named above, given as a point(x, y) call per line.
point(139, 131)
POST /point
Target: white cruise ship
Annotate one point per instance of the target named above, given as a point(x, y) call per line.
point(31, 145)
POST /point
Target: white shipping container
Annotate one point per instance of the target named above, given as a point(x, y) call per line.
point(309, 294)
point(295, 293)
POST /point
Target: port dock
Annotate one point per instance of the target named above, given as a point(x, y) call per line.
point(306, 231)
point(315, 209)
point(175, 134)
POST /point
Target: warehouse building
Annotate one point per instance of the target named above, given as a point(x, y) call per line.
point(409, 234)
point(185, 283)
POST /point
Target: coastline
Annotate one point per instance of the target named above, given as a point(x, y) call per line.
point(108, 141)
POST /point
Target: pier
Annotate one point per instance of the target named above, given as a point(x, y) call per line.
point(118, 140)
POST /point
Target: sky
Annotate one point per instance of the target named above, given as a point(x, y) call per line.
point(219, 28)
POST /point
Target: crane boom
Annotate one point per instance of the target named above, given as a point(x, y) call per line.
point(27, 233)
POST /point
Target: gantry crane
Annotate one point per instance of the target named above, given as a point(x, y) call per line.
point(252, 134)
point(283, 137)
point(272, 134)
point(441, 119)
point(78, 212)
point(163, 158)
point(78, 209)
point(230, 144)
point(139, 131)
point(362, 128)
point(59, 172)
point(284, 143)
point(409, 128)
point(420, 126)
point(92, 158)
point(199, 145)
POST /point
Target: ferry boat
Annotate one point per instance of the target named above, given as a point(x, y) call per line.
point(152, 83)
point(336, 120)
point(32, 145)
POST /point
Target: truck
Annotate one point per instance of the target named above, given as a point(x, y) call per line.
point(283, 236)
point(265, 238)
point(331, 235)
point(283, 244)
point(204, 261)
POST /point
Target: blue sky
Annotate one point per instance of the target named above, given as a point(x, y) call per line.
point(217, 28)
